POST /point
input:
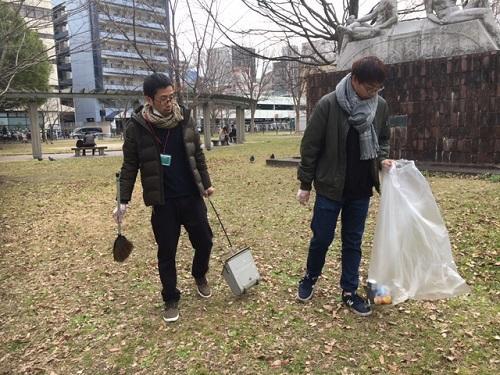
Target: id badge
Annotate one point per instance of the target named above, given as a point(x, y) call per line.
point(166, 159)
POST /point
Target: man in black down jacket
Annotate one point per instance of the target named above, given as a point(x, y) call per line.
point(345, 143)
point(162, 142)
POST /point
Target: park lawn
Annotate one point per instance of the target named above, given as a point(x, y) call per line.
point(67, 308)
point(62, 146)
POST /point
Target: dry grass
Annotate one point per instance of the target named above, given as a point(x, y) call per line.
point(67, 308)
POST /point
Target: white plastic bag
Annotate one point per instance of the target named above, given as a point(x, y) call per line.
point(412, 253)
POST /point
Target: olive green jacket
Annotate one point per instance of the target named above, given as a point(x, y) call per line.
point(323, 147)
point(142, 152)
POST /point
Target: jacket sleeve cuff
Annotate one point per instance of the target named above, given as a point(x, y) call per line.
point(305, 186)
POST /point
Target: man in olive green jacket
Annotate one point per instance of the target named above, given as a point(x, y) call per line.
point(345, 143)
point(161, 141)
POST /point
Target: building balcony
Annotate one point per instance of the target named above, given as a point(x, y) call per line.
point(125, 72)
point(128, 21)
point(132, 4)
point(61, 35)
point(64, 67)
point(131, 55)
point(62, 50)
point(123, 87)
point(150, 41)
point(61, 19)
point(65, 83)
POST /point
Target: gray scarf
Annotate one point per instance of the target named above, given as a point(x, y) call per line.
point(361, 114)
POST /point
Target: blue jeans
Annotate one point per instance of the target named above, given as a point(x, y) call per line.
point(353, 217)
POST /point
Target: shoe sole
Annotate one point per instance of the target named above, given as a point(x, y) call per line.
point(305, 299)
point(203, 295)
point(359, 313)
point(170, 320)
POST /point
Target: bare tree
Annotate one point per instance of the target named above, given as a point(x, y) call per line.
point(294, 76)
point(248, 85)
point(308, 20)
point(212, 63)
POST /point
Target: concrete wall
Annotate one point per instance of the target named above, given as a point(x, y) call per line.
point(447, 110)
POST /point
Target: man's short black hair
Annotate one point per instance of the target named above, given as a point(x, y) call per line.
point(154, 82)
point(369, 69)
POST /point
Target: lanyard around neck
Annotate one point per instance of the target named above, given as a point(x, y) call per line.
point(165, 140)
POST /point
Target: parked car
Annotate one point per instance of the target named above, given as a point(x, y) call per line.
point(79, 133)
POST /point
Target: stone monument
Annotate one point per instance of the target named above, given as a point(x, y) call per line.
point(448, 30)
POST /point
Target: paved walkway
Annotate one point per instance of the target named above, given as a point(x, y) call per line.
point(57, 156)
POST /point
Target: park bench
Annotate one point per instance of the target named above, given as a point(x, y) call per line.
point(83, 150)
point(215, 142)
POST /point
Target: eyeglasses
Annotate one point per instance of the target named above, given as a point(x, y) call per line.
point(373, 89)
point(166, 98)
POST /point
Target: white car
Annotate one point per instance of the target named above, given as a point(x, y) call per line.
point(79, 133)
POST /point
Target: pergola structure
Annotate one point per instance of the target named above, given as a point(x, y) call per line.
point(207, 102)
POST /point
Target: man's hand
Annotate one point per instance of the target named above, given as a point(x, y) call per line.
point(119, 212)
point(387, 164)
point(209, 191)
point(303, 196)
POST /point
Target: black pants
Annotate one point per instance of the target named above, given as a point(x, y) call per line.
point(166, 220)
point(88, 145)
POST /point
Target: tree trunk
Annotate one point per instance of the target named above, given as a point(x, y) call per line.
point(297, 119)
point(253, 107)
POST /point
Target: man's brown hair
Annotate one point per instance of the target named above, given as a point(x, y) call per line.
point(369, 69)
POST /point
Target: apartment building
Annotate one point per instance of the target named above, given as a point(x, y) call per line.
point(108, 45)
point(61, 37)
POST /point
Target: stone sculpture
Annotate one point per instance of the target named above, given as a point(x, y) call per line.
point(445, 12)
point(384, 14)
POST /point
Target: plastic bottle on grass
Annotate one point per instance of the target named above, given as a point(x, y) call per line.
point(378, 294)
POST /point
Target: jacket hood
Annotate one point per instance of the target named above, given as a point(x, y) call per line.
point(137, 117)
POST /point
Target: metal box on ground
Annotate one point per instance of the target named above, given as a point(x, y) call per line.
point(240, 272)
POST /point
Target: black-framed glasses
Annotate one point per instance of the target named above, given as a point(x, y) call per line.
point(166, 98)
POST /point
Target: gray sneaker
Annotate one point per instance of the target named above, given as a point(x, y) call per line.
point(203, 288)
point(171, 313)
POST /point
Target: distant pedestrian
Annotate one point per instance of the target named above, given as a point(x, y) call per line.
point(224, 136)
point(232, 134)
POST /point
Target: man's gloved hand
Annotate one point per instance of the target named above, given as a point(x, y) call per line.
point(303, 196)
point(119, 212)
